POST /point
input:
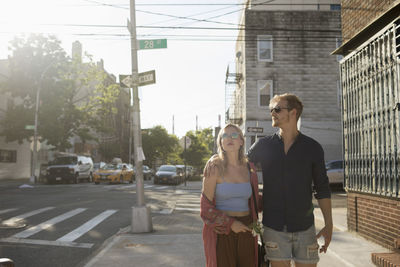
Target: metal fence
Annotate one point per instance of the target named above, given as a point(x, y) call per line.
point(370, 78)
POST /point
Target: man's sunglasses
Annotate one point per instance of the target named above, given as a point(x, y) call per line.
point(277, 109)
point(232, 135)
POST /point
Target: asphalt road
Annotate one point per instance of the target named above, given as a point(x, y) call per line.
point(63, 225)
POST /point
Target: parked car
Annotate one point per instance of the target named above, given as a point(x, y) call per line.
point(113, 173)
point(98, 165)
point(168, 174)
point(147, 172)
point(189, 170)
point(71, 168)
point(334, 170)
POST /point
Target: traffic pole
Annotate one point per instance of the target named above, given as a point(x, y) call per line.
point(141, 214)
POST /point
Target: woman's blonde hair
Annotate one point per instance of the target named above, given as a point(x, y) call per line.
point(220, 159)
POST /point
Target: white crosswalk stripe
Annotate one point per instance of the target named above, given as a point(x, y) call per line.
point(188, 203)
point(6, 210)
point(18, 218)
point(78, 232)
point(67, 240)
point(47, 224)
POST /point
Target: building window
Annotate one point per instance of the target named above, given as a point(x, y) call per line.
point(8, 156)
point(265, 48)
point(265, 92)
point(335, 7)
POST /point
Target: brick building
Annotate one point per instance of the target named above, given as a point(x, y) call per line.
point(286, 47)
point(370, 80)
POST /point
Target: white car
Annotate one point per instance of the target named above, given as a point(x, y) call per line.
point(334, 170)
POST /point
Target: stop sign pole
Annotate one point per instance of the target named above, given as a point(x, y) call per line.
point(141, 214)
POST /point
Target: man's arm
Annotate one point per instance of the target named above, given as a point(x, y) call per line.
point(326, 208)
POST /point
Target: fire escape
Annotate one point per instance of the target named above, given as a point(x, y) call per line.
point(233, 98)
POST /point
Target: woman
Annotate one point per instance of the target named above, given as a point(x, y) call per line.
point(227, 204)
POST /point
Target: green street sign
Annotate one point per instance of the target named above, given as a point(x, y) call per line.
point(29, 127)
point(153, 44)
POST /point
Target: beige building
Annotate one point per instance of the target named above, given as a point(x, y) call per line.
point(286, 48)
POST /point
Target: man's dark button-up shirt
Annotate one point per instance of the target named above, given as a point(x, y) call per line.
point(288, 180)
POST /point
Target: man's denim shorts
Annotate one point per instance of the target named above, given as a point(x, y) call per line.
point(300, 246)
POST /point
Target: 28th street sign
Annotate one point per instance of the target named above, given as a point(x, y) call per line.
point(145, 78)
point(152, 44)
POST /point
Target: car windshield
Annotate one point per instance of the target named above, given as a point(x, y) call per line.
point(112, 167)
point(64, 161)
point(168, 168)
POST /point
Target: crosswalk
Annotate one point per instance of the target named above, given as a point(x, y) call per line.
point(132, 186)
point(187, 202)
point(67, 240)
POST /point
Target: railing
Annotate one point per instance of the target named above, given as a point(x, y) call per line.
point(370, 78)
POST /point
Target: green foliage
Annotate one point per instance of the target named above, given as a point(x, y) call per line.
point(76, 98)
point(200, 150)
point(159, 145)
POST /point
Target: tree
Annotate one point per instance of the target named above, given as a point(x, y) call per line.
point(158, 144)
point(200, 150)
point(76, 98)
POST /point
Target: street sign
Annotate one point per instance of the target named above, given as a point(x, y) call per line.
point(182, 142)
point(145, 78)
point(255, 129)
point(29, 127)
point(153, 44)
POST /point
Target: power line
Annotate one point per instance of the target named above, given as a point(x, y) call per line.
point(197, 28)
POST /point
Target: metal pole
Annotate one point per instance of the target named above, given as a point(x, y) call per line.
point(141, 219)
point(130, 125)
point(35, 132)
point(184, 159)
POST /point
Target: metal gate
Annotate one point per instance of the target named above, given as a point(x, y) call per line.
point(370, 78)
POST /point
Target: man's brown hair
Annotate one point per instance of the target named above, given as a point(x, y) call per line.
point(292, 100)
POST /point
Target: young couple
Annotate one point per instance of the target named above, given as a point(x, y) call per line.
point(293, 169)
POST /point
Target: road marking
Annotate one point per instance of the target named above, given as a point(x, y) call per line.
point(161, 187)
point(188, 209)
point(78, 232)
point(7, 210)
point(47, 224)
point(148, 186)
point(18, 218)
point(45, 242)
point(188, 204)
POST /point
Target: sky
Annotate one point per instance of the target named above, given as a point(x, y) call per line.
point(190, 72)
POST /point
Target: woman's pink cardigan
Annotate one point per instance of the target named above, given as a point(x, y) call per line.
point(213, 218)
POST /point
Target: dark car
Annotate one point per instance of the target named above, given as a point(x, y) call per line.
point(147, 172)
point(168, 174)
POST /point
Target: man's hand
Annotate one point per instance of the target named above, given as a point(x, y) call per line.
point(209, 167)
point(238, 227)
point(326, 232)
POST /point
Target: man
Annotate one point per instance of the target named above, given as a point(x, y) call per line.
point(292, 164)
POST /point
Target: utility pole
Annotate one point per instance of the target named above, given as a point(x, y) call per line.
point(141, 217)
point(130, 125)
point(173, 124)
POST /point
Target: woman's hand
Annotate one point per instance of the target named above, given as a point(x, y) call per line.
point(238, 227)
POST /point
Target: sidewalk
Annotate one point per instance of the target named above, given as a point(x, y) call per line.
point(176, 241)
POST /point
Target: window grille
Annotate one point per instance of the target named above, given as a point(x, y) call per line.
point(370, 78)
